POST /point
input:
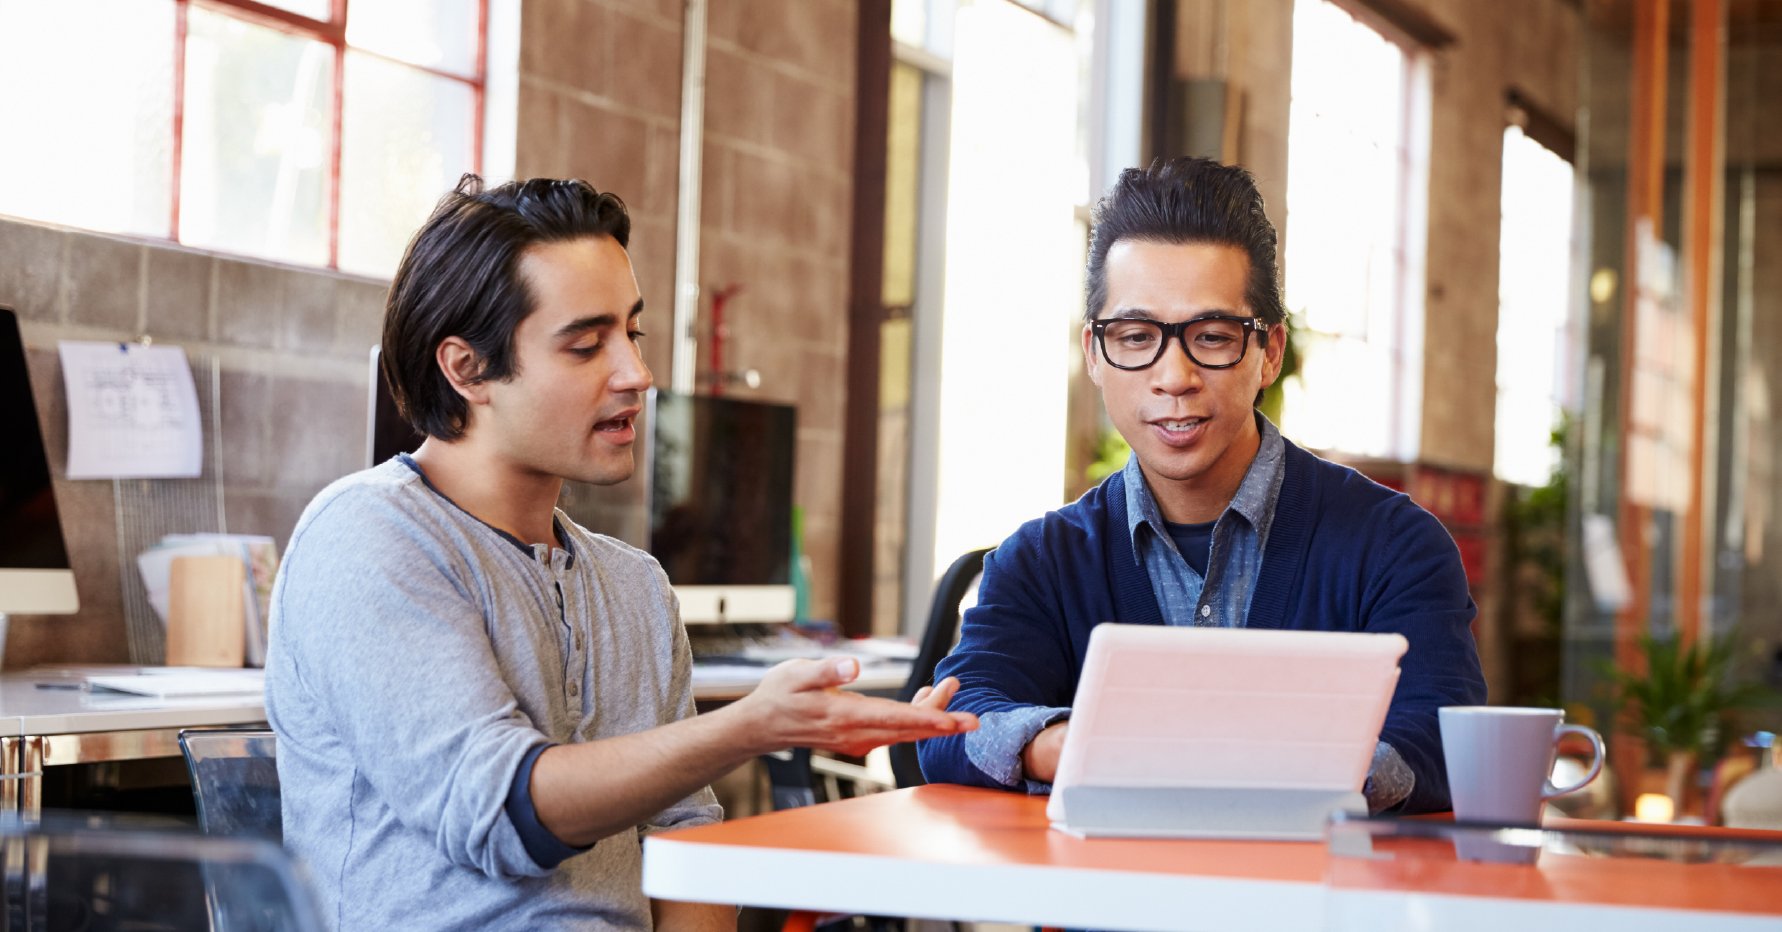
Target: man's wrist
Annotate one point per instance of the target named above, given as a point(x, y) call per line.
point(1039, 759)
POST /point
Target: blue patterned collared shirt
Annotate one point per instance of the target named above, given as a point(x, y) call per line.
point(1221, 598)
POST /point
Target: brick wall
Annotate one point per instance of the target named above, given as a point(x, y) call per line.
point(778, 186)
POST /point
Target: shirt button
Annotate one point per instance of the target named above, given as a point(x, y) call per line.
point(575, 689)
point(1206, 611)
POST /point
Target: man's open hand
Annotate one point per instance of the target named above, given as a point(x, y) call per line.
point(800, 703)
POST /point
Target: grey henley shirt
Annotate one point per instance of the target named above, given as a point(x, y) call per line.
point(417, 655)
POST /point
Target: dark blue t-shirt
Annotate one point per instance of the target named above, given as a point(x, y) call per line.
point(1195, 543)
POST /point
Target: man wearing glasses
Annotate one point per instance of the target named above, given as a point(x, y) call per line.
point(1216, 519)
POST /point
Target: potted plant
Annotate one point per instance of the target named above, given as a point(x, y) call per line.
point(1677, 703)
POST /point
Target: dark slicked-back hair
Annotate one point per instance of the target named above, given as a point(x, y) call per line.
point(461, 277)
point(1188, 200)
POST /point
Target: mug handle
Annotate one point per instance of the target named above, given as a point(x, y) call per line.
point(1596, 759)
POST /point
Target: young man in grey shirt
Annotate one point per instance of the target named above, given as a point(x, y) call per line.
point(481, 706)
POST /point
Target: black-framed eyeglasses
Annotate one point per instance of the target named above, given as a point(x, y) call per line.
point(1216, 341)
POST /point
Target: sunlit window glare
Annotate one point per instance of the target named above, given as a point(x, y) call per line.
point(257, 147)
point(1534, 281)
point(89, 143)
point(1013, 276)
point(1348, 172)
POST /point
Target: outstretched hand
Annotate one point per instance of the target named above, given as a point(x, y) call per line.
point(800, 703)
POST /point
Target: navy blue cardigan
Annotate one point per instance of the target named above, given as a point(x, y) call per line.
point(1344, 554)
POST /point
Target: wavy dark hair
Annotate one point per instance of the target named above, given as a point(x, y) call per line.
point(461, 277)
point(1188, 200)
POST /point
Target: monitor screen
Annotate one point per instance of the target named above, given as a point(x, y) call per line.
point(386, 433)
point(721, 474)
point(35, 577)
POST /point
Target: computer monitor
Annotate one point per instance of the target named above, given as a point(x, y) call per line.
point(386, 433)
point(35, 577)
point(721, 505)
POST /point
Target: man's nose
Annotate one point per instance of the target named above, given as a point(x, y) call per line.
point(1174, 372)
point(633, 374)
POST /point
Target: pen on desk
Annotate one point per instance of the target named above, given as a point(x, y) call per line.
point(75, 686)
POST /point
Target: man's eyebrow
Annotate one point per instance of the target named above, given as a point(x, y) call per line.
point(1139, 313)
point(582, 325)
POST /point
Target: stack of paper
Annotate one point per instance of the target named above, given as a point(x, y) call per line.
point(258, 554)
point(182, 682)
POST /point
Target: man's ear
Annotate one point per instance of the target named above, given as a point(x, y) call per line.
point(1275, 352)
point(461, 365)
point(1091, 359)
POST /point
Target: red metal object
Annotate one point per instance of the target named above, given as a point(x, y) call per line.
point(720, 297)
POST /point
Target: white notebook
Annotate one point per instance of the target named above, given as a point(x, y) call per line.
point(183, 683)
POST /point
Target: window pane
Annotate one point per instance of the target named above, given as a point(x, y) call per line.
point(89, 92)
point(435, 33)
point(255, 173)
point(1348, 175)
point(314, 9)
point(408, 135)
point(1534, 290)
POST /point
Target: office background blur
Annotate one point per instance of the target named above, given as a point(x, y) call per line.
point(1528, 248)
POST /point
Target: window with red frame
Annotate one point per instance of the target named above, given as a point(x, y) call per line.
point(317, 132)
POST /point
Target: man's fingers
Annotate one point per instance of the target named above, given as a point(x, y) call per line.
point(943, 691)
point(801, 675)
point(922, 694)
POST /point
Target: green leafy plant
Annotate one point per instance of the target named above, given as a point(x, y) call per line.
point(1111, 453)
point(1274, 395)
point(1678, 703)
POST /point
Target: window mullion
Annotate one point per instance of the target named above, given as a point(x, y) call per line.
point(336, 121)
point(178, 143)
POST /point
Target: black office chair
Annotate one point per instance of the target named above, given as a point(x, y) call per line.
point(938, 638)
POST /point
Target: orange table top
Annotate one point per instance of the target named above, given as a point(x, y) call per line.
point(960, 836)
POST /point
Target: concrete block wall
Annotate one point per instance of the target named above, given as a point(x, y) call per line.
point(1533, 46)
point(291, 347)
point(599, 98)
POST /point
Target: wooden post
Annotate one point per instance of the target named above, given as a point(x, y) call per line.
point(1701, 246)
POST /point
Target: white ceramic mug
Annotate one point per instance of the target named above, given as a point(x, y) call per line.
point(1500, 759)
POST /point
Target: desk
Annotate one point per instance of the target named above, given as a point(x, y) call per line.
point(55, 727)
point(952, 852)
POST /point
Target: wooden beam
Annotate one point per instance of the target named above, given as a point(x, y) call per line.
point(1645, 202)
point(1701, 244)
point(866, 312)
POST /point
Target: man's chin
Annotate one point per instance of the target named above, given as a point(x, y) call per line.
point(610, 472)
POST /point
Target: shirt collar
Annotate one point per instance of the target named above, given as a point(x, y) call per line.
point(1254, 500)
point(531, 550)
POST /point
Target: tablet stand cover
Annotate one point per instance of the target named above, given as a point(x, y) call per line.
point(1222, 733)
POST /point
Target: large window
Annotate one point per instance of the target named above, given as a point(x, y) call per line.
point(316, 132)
point(1535, 349)
point(1356, 183)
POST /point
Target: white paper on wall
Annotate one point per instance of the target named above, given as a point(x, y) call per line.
point(132, 412)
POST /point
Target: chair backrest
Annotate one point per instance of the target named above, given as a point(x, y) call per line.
point(234, 780)
point(104, 874)
point(938, 638)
